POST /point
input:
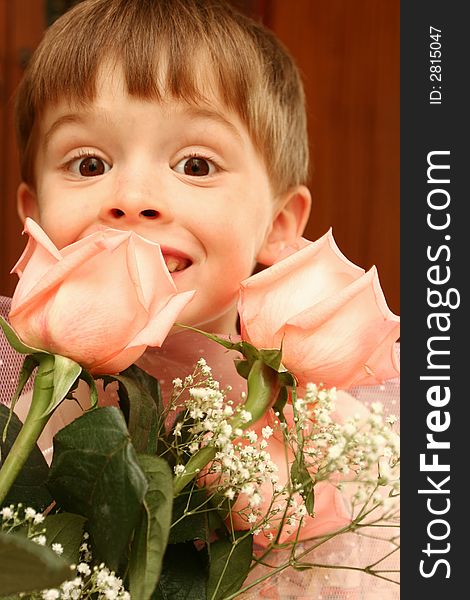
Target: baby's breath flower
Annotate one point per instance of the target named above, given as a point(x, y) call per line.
point(29, 513)
point(7, 513)
point(252, 518)
point(40, 540)
point(245, 416)
point(83, 569)
point(51, 594)
point(267, 432)
point(38, 518)
point(179, 469)
point(57, 548)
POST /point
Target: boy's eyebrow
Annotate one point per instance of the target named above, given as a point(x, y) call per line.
point(191, 111)
point(208, 113)
point(72, 118)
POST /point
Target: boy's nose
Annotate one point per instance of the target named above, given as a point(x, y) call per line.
point(131, 207)
point(146, 213)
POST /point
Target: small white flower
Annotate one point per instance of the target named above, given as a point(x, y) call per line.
point(267, 432)
point(252, 518)
point(38, 518)
point(245, 416)
point(84, 569)
point(29, 513)
point(7, 513)
point(377, 408)
point(349, 428)
point(230, 493)
point(251, 435)
point(255, 500)
point(335, 451)
point(50, 594)
point(177, 382)
point(58, 549)
point(40, 540)
point(179, 469)
point(193, 447)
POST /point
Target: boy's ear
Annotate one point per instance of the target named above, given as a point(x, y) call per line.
point(26, 202)
point(288, 223)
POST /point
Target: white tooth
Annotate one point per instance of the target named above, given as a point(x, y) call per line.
point(172, 263)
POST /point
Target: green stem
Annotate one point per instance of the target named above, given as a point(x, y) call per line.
point(32, 427)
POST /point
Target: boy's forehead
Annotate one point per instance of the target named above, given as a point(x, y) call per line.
point(110, 84)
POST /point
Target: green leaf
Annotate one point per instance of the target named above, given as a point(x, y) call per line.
point(184, 574)
point(95, 473)
point(229, 565)
point(272, 357)
point(243, 367)
point(26, 566)
point(65, 529)
point(151, 536)
point(192, 525)
point(66, 372)
point(89, 380)
point(29, 364)
point(281, 400)
point(29, 487)
point(300, 474)
point(215, 338)
point(146, 419)
point(15, 341)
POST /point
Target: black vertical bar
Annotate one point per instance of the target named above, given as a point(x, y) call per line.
point(435, 254)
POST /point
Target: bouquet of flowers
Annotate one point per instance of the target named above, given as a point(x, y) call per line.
point(189, 489)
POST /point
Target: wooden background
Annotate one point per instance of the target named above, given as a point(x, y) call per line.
point(348, 53)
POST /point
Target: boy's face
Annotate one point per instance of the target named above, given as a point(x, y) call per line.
point(186, 177)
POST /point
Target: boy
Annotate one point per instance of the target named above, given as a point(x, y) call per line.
point(179, 119)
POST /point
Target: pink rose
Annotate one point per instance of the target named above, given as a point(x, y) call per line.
point(330, 317)
point(331, 512)
point(100, 301)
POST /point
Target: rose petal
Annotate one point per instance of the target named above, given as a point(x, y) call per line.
point(117, 363)
point(147, 258)
point(332, 342)
point(289, 287)
point(55, 275)
point(161, 321)
point(38, 257)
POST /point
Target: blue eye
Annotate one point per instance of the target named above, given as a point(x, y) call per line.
point(196, 166)
point(89, 166)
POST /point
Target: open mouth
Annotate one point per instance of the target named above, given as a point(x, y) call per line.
point(175, 264)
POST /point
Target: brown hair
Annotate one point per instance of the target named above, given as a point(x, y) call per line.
point(158, 43)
